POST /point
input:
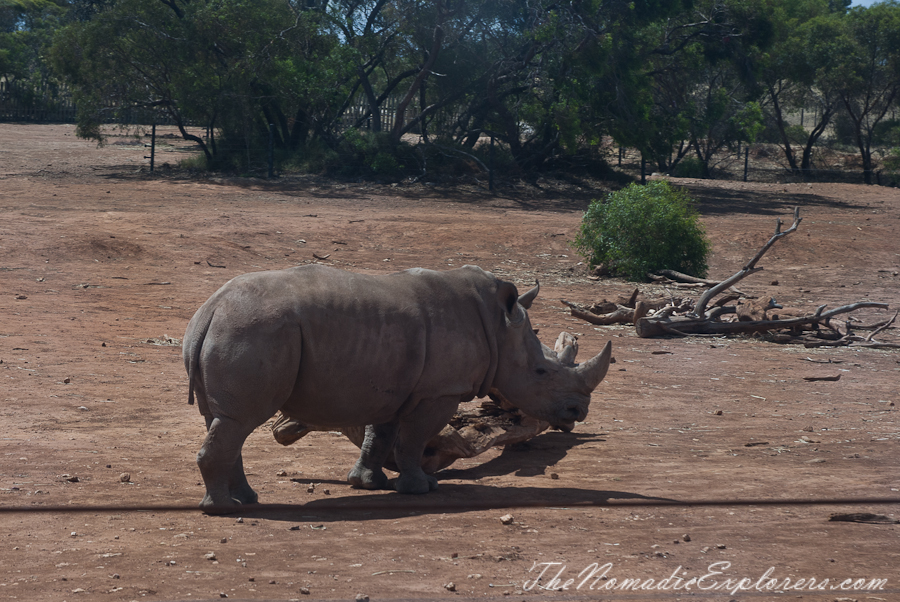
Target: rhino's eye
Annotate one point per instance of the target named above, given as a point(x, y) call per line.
point(541, 371)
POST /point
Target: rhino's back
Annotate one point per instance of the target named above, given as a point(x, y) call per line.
point(367, 344)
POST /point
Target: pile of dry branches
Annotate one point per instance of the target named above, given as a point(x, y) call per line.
point(716, 317)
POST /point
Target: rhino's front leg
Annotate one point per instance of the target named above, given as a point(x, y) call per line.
point(379, 442)
point(416, 430)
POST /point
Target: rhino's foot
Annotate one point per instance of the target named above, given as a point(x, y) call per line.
point(223, 506)
point(244, 495)
point(365, 478)
point(415, 483)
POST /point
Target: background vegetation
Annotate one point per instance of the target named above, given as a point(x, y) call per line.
point(642, 229)
point(342, 84)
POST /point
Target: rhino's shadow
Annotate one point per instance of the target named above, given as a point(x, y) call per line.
point(450, 498)
point(528, 459)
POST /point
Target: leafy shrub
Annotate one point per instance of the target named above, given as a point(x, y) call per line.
point(688, 167)
point(641, 229)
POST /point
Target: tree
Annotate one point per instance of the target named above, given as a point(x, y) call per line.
point(867, 75)
point(26, 28)
point(791, 74)
point(232, 67)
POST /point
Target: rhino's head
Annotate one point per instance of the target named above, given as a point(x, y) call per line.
point(541, 382)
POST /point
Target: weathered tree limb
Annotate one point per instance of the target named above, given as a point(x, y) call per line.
point(680, 277)
point(882, 327)
point(681, 280)
point(650, 327)
point(749, 267)
point(623, 315)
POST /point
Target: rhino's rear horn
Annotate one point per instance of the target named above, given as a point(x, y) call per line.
point(527, 299)
point(594, 370)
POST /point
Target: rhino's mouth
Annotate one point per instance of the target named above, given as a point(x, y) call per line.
point(565, 427)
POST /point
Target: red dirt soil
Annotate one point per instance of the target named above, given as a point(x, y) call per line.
point(102, 260)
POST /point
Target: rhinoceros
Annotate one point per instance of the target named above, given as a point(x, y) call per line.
point(397, 352)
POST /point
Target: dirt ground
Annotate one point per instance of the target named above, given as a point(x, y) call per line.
point(101, 263)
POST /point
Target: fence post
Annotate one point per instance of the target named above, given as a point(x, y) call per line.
point(746, 160)
point(152, 156)
point(271, 151)
point(643, 169)
point(491, 166)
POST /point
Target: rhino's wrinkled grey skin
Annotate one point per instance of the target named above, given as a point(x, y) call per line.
point(397, 352)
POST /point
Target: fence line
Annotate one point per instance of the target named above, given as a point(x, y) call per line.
point(364, 505)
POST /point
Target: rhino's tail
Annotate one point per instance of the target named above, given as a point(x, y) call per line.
point(193, 343)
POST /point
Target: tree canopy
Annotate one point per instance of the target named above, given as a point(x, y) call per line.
point(680, 81)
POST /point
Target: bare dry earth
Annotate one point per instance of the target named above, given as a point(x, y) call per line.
point(100, 261)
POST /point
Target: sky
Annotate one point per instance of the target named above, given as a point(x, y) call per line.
point(863, 2)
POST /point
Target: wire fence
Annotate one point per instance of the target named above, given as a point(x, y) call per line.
point(368, 505)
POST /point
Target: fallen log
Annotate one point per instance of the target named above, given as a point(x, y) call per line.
point(679, 325)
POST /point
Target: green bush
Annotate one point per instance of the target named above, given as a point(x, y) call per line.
point(688, 167)
point(641, 229)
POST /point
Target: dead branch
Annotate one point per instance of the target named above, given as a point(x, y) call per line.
point(882, 327)
point(652, 326)
point(749, 268)
point(680, 277)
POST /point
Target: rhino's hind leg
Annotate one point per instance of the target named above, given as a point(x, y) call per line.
point(367, 473)
point(416, 430)
point(222, 468)
point(238, 486)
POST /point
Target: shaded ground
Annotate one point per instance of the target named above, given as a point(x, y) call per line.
point(100, 261)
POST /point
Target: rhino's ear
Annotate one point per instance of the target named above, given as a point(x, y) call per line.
point(508, 296)
point(528, 298)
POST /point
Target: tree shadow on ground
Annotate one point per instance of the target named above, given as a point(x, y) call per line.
point(715, 201)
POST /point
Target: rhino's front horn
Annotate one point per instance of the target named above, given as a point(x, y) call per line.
point(526, 299)
point(594, 370)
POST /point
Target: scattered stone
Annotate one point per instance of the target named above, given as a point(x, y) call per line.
point(223, 595)
point(326, 491)
point(281, 473)
point(720, 546)
point(239, 520)
point(554, 476)
point(454, 555)
point(223, 540)
point(450, 587)
point(67, 380)
point(718, 413)
point(78, 590)
point(507, 519)
point(311, 488)
point(125, 477)
point(704, 549)
point(210, 556)
point(807, 429)
point(362, 598)
point(474, 576)
point(72, 480)
point(304, 591)
point(686, 537)
point(251, 579)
